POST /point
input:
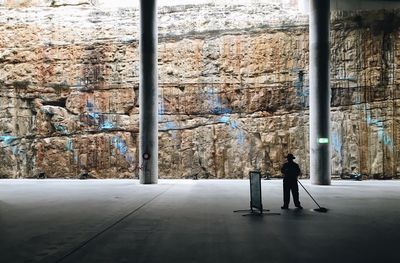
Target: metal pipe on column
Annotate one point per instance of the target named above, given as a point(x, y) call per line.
point(148, 93)
point(320, 155)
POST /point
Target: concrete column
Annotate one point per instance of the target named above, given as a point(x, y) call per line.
point(320, 168)
point(148, 93)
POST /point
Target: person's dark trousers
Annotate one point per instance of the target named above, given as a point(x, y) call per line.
point(290, 185)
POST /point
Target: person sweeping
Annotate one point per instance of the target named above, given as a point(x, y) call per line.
point(291, 172)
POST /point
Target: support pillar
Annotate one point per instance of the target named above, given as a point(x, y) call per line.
point(148, 93)
point(320, 163)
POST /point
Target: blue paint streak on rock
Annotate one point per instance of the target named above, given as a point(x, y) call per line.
point(383, 136)
point(299, 86)
point(241, 137)
point(161, 108)
point(107, 125)
point(120, 144)
point(234, 125)
point(127, 39)
point(215, 103)
point(15, 150)
point(170, 125)
point(69, 145)
point(94, 115)
point(78, 83)
point(220, 110)
point(239, 133)
point(374, 122)
point(89, 105)
point(60, 128)
point(224, 119)
point(122, 148)
point(336, 142)
point(92, 112)
point(7, 139)
point(99, 118)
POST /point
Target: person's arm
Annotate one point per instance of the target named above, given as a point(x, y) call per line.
point(298, 171)
point(285, 169)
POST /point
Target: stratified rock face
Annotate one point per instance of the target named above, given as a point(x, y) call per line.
point(233, 91)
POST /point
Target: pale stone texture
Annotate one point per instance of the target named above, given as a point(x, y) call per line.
point(233, 84)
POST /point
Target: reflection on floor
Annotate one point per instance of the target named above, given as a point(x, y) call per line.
point(193, 221)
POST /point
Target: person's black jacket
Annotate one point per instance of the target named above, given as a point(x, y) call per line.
point(291, 171)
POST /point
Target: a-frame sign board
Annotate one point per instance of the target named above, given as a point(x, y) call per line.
point(256, 207)
point(255, 192)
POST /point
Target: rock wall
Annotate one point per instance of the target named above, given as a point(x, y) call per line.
point(233, 91)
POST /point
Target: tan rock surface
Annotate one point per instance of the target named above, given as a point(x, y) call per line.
point(233, 91)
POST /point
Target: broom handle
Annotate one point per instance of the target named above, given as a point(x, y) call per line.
point(308, 193)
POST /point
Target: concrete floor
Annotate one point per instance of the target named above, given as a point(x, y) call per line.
point(192, 221)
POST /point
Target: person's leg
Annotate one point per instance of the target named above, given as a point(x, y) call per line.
point(286, 194)
point(295, 193)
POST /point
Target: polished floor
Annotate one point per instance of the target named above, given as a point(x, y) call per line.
point(193, 221)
